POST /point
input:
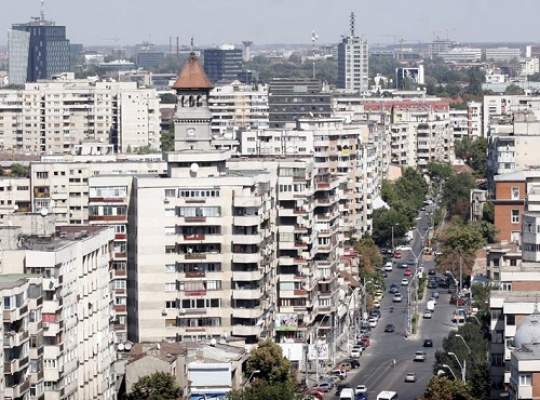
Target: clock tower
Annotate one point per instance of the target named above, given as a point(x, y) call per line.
point(192, 129)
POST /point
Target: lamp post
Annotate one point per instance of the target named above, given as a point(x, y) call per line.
point(449, 369)
point(253, 373)
point(464, 342)
point(462, 367)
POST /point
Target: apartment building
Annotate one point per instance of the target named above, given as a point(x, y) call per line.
point(353, 59)
point(78, 345)
point(21, 337)
point(52, 117)
point(14, 195)
point(516, 280)
point(497, 106)
point(468, 122)
point(238, 106)
point(460, 55)
point(502, 54)
point(60, 184)
point(525, 363)
point(509, 205)
point(206, 263)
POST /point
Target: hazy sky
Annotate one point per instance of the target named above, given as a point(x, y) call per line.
point(282, 21)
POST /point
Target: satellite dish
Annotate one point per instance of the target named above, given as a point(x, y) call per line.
point(44, 212)
point(120, 347)
point(213, 342)
point(128, 346)
point(194, 168)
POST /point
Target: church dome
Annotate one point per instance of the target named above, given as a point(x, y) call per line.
point(529, 331)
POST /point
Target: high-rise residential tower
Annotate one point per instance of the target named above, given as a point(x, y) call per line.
point(353, 74)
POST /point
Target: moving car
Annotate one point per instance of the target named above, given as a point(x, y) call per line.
point(427, 314)
point(388, 267)
point(372, 322)
point(389, 328)
point(430, 305)
point(432, 272)
point(428, 343)
point(397, 298)
point(323, 387)
point(397, 254)
point(404, 282)
point(361, 389)
point(347, 394)
point(420, 356)
point(407, 272)
point(435, 295)
point(387, 395)
point(410, 377)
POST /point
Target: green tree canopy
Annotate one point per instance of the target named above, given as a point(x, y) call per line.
point(19, 170)
point(383, 220)
point(369, 255)
point(456, 194)
point(514, 89)
point(442, 388)
point(157, 386)
point(268, 359)
point(439, 171)
point(474, 153)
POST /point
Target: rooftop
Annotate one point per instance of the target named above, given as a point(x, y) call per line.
point(10, 281)
point(192, 76)
point(528, 352)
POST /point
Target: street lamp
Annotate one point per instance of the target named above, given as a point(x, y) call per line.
point(464, 342)
point(253, 373)
point(462, 367)
point(449, 369)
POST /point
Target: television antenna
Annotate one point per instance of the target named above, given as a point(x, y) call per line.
point(314, 38)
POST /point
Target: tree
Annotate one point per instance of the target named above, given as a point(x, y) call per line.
point(489, 231)
point(488, 212)
point(473, 152)
point(167, 140)
point(369, 255)
point(383, 220)
point(456, 194)
point(460, 242)
point(513, 89)
point(439, 171)
point(157, 386)
point(271, 373)
point(19, 170)
point(167, 98)
point(442, 388)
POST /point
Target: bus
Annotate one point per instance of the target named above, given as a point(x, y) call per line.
point(387, 395)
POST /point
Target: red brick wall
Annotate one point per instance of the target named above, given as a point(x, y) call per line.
point(504, 206)
point(525, 286)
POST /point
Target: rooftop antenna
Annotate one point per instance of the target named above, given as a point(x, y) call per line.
point(314, 38)
point(192, 44)
point(352, 24)
point(42, 10)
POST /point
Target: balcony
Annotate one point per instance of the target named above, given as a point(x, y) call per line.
point(15, 339)
point(51, 306)
point(247, 239)
point(247, 312)
point(246, 275)
point(17, 391)
point(108, 218)
point(247, 294)
point(16, 365)
point(247, 220)
point(247, 201)
point(52, 328)
point(246, 330)
point(15, 314)
point(246, 258)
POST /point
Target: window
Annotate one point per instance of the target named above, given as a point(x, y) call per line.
point(170, 268)
point(170, 304)
point(524, 379)
point(511, 319)
point(170, 192)
point(515, 216)
point(42, 174)
point(515, 193)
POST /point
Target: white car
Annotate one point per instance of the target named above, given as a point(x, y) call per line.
point(397, 298)
point(388, 267)
point(427, 314)
point(420, 356)
point(372, 322)
point(361, 389)
point(355, 353)
point(404, 282)
point(376, 304)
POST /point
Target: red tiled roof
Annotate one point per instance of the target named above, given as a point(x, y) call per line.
point(192, 76)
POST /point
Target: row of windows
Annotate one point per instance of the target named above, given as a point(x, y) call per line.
point(192, 193)
point(193, 303)
point(192, 286)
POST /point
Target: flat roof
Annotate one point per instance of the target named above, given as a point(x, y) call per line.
point(10, 281)
point(528, 352)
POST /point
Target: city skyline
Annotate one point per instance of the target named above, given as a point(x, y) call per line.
point(237, 20)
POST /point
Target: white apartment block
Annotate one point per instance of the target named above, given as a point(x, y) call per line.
point(459, 55)
point(60, 184)
point(238, 106)
point(500, 106)
point(353, 59)
point(21, 337)
point(78, 344)
point(14, 195)
point(53, 117)
point(503, 54)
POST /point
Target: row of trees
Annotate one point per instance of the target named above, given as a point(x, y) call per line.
point(293, 67)
point(404, 198)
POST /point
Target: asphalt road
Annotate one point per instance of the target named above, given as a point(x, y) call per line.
point(376, 370)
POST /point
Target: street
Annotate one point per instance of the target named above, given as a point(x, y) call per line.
point(376, 370)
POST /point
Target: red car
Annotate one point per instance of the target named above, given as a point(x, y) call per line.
point(407, 272)
point(397, 254)
point(365, 341)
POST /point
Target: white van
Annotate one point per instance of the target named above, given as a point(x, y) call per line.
point(346, 394)
point(387, 395)
point(431, 305)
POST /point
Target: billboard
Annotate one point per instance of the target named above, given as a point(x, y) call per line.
point(286, 322)
point(318, 351)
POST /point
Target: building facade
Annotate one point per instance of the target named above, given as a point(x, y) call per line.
point(353, 71)
point(224, 64)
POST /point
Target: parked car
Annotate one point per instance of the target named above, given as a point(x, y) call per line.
point(339, 373)
point(420, 356)
point(390, 328)
point(404, 282)
point(344, 366)
point(407, 272)
point(432, 272)
point(324, 387)
point(388, 266)
point(397, 254)
point(428, 343)
point(356, 353)
point(366, 341)
point(341, 386)
point(427, 314)
point(372, 322)
point(435, 295)
point(397, 298)
point(410, 377)
point(354, 362)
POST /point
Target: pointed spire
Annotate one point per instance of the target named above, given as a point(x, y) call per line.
point(352, 24)
point(192, 76)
